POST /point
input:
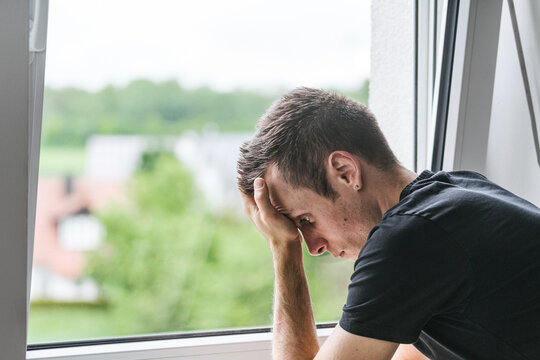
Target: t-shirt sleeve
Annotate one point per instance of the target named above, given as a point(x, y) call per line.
point(409, 271)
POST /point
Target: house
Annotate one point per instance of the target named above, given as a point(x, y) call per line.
point(65, 230)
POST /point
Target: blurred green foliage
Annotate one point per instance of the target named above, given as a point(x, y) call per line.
point(169, 264)
point(144, 107)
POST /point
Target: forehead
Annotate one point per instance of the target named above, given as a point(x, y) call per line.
point(289, 199)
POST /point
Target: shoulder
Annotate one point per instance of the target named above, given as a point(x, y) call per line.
point(447, 200)
point(408, 270)
point(411, 254)
point(401, 234)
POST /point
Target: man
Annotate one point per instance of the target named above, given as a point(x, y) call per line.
point(449, 262)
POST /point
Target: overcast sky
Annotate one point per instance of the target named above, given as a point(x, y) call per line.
point(224, 44)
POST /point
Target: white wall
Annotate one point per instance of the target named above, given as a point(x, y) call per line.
point(392, 77)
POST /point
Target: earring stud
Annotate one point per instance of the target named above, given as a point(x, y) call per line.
point(356, 187)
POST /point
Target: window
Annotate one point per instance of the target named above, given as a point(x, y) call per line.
point(82, 232)
point(139, 228)
point(19, 176)
point(16, 179)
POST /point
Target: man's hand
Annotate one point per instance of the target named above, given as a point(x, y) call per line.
point(294, 327)
point(277, 229)
point(294, 332)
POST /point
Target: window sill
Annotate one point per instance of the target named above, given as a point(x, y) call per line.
point(239, 347)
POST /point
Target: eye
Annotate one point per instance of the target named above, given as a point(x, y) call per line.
point(304, 220)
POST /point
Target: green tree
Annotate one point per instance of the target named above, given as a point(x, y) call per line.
point(71, 115)
point(170, 265)
point(144, 107)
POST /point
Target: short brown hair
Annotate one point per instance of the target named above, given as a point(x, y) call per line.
point(301, 129)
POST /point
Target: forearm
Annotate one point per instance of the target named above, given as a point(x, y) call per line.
point(294, 327)
point(408, 352)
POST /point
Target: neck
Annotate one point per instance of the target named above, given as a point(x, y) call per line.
point(389, 186)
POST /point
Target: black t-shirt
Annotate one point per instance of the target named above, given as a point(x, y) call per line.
point(454, 268)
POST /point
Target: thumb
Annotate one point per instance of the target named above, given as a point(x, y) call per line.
point(262, 198)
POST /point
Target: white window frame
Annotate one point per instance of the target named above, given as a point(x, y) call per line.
point(469, 92)
point(454, 108)
point(527, 39)
point(14, 177)
point(471, 87)
point(238, 347)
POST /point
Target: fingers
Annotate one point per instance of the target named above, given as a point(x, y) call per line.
point(276, 228)
point(248, 204)
point(262, 198)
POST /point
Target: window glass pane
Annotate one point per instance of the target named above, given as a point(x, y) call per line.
point(139, 227)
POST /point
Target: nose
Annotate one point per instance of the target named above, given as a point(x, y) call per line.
point(316, 245)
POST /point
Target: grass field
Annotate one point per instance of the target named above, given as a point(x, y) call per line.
point(61, 161)
point(63, 323)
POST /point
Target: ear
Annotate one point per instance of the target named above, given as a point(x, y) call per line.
point(344, 168)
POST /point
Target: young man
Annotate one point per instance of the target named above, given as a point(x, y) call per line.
point(449, 262)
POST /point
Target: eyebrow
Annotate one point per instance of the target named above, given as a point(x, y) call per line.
point(285, 212)
point(280, 209)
